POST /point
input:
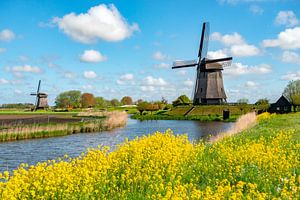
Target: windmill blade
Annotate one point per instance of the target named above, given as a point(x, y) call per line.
point(39, 85)
point(186, 63)
point(33, 94)
point(217, 60)
point(204, 41)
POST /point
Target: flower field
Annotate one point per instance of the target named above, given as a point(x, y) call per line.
point(260, 163)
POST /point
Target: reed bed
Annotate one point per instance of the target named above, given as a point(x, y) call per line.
point(110, 121)
point(244, 122)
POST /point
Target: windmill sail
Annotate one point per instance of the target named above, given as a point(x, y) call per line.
point(204, 41)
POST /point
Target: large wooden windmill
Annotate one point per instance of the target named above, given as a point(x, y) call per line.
point(41, 101)
point(209, 88)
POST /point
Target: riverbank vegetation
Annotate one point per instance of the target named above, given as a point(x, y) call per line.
point(89, 122)
point(260, 163)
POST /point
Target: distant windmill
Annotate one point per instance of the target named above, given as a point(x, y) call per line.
point(209, 87)
point(41, 101)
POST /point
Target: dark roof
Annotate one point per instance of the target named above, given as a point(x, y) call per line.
point(282, 101)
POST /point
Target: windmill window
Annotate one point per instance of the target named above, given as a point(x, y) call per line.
point(200, 89)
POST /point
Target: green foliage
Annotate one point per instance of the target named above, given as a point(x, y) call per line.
point(115, 102)
point(68, 99)
point(182, 100)
point(127, 100)
point(18, 105)
point(243, 101)
point(142, 106)
point(87, 100)
point(101, 102)
point(292, 92)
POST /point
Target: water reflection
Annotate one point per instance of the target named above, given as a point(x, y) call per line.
point(12, 154)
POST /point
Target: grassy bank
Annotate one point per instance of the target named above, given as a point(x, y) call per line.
point(204, 118)
point(106, 121)
point(260, 163)
point(200, 113)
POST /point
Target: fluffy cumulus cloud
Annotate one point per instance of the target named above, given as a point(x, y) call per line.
point(19, 70)
point(217, 54)
point(228, 39)
point(250, 84)
point(237, 46)
point(287, 18)
point(92, 56)
point(150, 83)
point(290, 57)
point(125, 78)
point(288, 39)
point(291, 76)
point(159, 56)
point(100, 22)
point(90, 74)
point(7, 35)
point(237, 69)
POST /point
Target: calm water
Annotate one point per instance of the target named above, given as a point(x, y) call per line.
point(12, 154)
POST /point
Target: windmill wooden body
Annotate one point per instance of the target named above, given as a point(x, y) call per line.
point(41, 101)
point(209, 88)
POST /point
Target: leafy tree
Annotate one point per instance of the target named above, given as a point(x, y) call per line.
point(142, 106)
point(101, 102)
point(243, 101)
point(68, 99)
point(264, 101)
point(151, 107)
point(115, 102)
point(127, 100)
point(182, 100)
point(88, 100)
point(139, 101)
point(292, 92)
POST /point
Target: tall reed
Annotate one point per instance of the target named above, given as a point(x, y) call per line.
point(111, 120)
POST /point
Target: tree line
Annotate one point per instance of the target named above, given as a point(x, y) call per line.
point(76, 99)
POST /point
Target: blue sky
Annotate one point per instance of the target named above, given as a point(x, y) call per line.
point(118, 48)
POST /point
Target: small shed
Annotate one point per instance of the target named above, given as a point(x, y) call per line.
point(282, 105)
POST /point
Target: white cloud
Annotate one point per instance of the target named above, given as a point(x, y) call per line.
point(25, 68)
point(3, 81)
point(244, 50)
point(125, 78)
point(237, 45)
point(69, 75)
point(100, 22)
point(92, 56)
point(188, 83)
point(290, 57)
point(288, 39)
point(159, 56)
point(287, 18)
point(151, 81)
point(256, 10)
point(250, 84)
point(87, 87)
point(228, 39)
point(2, 50)
point(7, 35)
point(89, 74)
point(290, 76)
point(237, 69)
point(162, 65)
point(217, 54)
